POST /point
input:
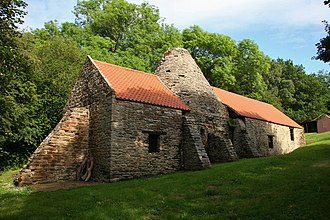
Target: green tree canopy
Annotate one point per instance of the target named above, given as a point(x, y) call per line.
point(252, 64)
point(18, 96)
point(323, 47)
point(214, 53)
point(302, 96)
point(135, 35)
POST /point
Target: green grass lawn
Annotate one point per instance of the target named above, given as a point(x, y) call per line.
point(293, 186)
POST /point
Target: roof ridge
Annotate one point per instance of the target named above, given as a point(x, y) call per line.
point(320, 116)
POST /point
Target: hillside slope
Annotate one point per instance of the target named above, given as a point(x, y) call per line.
point(293, 186)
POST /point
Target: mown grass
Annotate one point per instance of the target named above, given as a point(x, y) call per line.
point(312, 138)
point(293, 186)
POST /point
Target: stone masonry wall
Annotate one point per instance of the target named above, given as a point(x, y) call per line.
point(94, 91)
point(61, 153)
point(194, 156)
point(91, 87)
point(100, 138)
point(216, 151)
point(259, 131)
point(180, 73)
point(131, 124)
point(241, 140)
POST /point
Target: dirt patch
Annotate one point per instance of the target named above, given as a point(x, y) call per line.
point(47, 187)
point(324, 163)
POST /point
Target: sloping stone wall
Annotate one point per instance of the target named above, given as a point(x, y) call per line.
point(241, 140)
point(61, 153)
point(94, 91)
point(259, 131)
point(131, 125)
point(220, 149)
point(59, 156)
point(194, 156)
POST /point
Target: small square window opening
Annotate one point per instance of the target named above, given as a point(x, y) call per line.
point(153, 143)
point(292, 134)
point(270, 141)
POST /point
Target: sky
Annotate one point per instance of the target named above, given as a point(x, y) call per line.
point(287, 29)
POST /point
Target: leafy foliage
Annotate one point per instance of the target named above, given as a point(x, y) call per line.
point(303, 97)
point(235, 67)
point(12, 14)
point(214, 53)
point(57, 64)
point(323, 47)
point(133, 35)
point(37, 72)
point(18, 96)
point(252, 64)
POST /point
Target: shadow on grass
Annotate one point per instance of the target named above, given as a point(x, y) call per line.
point(293, 186)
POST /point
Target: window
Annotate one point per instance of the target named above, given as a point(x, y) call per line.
point(291, 134)
point(202, 131)
point(153, 143)
point(152, 140)
point(270, 141)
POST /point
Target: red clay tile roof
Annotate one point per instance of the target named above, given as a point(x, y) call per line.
point(138, 86)
point(252, 108)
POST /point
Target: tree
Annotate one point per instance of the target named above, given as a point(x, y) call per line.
point(324, 77)
point(111, 19)
point(134, 34)
point(214, 53)
point(312, 97)
point(323, 47)
point(11, 14)
point(252, 64)
point(302, 96)
point(17, 91)
point(37, 72)
point(273, 80)
point(59, 62)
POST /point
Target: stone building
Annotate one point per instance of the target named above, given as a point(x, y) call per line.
point(258, 128)
point(129, 124)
